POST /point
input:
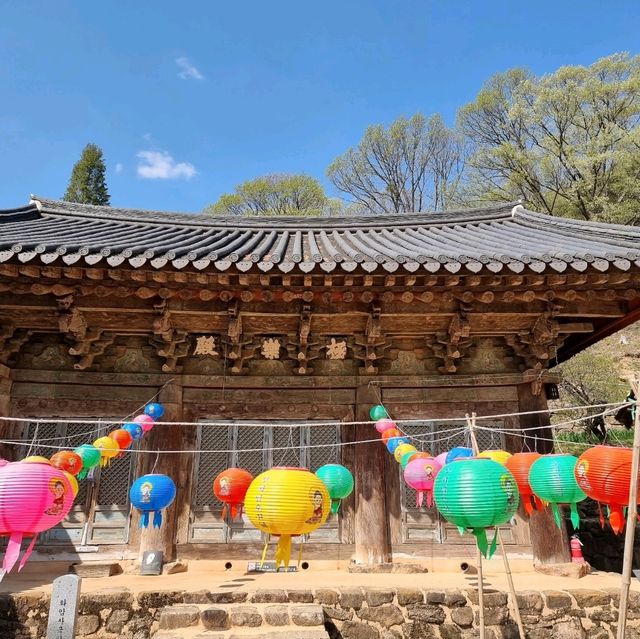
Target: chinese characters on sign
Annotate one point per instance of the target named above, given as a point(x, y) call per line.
point(336, 350)
point(206, 345)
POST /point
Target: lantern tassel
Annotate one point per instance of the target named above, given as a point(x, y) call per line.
point(600, 515)
point(575, 516)
point(224, 512)
point(556, 515)
point(27, 553)
point(429, 499)
point(528, 506)
point(335, 505)
point(144, 520)
point(539, 504)
point(234, 511)
point(283, 551)
point(419, 499)
point(481, 539)
point(616, 519)
point(13, 551)
point(83, 474)
point(157, 519)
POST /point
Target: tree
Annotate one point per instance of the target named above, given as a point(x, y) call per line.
point(88, 184)
point(413, 165)
point(277, 194)
point(567, 143)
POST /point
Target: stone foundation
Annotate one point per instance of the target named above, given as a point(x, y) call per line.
point(350, 613)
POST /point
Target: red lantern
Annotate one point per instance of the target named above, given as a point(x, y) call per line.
point(519, 465)
point(604, 474)
point(389, 433)
point(230, 487)
point(68, 461)
point(121, 437)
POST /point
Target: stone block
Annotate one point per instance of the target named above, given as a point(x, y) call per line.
point(450, 631)
point(87, 624)
point(386, 615)
point(571, 569)
point(175, 567)
point(179, 616)
point(217, 597)
point(159, 598)
point(338, 614)
point(530, 600)
point(591, 598)
point(557, 600)
point(358, 630)
point(454, 598)
point(409, 596)
point(378, 596)
point(96, 569)
point(307, 615)
point(116, 621)
point(608, 614)
point(426, 614)
point(215, 618)
point(491, 599)
point(421, 630)
point(276, 615)
point(597, 633)
point(569, 630)
point(462, 616)
point(326, 596)
point(351, 598)
point(389, 633)
point(269, 596)
point(300, 596)
point(108, 598)
point(245, 616)
point(494, 616)
point(435, 596)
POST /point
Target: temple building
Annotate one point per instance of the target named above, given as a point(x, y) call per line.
point(266, 338)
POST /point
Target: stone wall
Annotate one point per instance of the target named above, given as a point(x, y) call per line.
point(349, 613)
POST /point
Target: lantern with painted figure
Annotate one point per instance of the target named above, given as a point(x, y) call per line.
point(339, 482)
point(68, 461)
point(401, 450)
point(108, 449)
point(90, 456)
point(154, 410)
point(476, 494)
point(287, 502)
point(420, 474)
point(34, 497)
point(123, 438)
point(389, 433)
point(36, 459)
point(552, 479)
point(146, 422)
point(230, 487)
point(384, 424)
point(394, 442)
point(415, 454)
point(134, 429)
point(519, 465)
point(151, 494)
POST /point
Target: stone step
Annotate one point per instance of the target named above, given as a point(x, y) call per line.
point(289, 632)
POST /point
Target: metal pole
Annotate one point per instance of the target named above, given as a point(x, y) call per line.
point(631, 519)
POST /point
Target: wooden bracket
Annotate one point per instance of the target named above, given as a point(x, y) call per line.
point(299, 347)
point(454, 344)
point(171, 344)
point(371, 347)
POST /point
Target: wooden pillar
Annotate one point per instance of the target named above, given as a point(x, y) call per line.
point(372, 536)
point(8, 430)
point(550, 544)
point(176, 466)
point(348, 506)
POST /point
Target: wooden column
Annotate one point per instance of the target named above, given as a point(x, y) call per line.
point(550, 544)
point(8, 430)
point(372, 536)
point(348, 506)
point(176, 466)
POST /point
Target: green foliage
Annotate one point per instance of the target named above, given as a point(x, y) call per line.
point(567, 143)
point(576, 442)
point(88, 183)
point(274, 195)
point(412, 165)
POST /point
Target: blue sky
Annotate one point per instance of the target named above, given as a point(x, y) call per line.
point(188, 99)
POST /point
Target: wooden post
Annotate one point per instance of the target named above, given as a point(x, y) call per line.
point(8, 430)
point(550, 544)
point(372, 537)
point(347, 459)
point(632, 514)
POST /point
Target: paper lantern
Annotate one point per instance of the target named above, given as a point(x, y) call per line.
point(73, 482)
point(134, 429)
point(68, 461)
point(108, 449)
point(378, 412)
point(459, 452)
point(286, 502)
point(145, 421)
point(389, 433)
point(121, 437)
point(475, 494)
point(153, 410)
point(339, 483)
point(553, 480)
point(394, 442)
point(442, 458)
point(407, 457)
point(36, 459)
point(399, 452)
point(384, 424)
point(519, 465)
point(4, 462)
point(33, 498)
point(151, 494)
point(90, 456)
point(230, 487)
point(420, 474)
point(500, 456)
point(604, 474)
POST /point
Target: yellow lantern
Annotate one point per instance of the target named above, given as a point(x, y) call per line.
point(287, 502)
point(499, 456)
point(73, 482)
point(36, 459)
point(108, 449)
point(402, 450)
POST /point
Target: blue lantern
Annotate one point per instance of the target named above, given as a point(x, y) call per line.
point(154, 410)
point(394, 442)
point(152, 493)
point(135, 430)
point(459, 452)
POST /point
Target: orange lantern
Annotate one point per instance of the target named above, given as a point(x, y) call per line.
point(519, 465)
point(122, 437)
point(230, 487)
point(389, 433)
point(68, 461)
point(604, 474)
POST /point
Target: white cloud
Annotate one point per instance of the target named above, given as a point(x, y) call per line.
point(147, 137)
point(160, 165)
point(187, 70)
point(119, 167)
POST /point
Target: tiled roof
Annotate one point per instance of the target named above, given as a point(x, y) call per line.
point(502, 237)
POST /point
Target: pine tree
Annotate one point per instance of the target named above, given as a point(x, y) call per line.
point(88, 184)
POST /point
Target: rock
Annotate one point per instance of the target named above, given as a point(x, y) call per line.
point(449, 631)
point(377, 597)
point(351, 598)
point(87, 624)
point(608, 615)
point(357, 630)
point(591, 598)
point(96, 569)
point(454, 598)
point(398, 569)
point(557, 600)
point(569, 630)
point(426, 613)
point(245, 616)
point(571, 569)
point(175, 567)
point(277, 615)
point(307, 615)
point(463, 616)
point(269, 596)
point(218, 597)
point(337, 613)
point(391, 634)
point(300, 596)
point(421, 630)
point(386, 615)
point(494, 616)
point(114, 598)
point(409, 596)
point(159, 598)
point(491, 599)
point(435, 596)
point(215, 618)
point(116, 621)
point(597, 633)
point(326, 596)
point(181, 616)
point(529, 600)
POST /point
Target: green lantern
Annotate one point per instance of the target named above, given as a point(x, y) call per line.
point(552, 479)
point(90, 456)
point(378, 412)
point(476, 494)
point(339, 483)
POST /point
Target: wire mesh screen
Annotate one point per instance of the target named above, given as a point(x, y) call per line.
point(114, 482)
point(250, 443)
point(422, 435)
point(38, 437)
point(209, 465)
point(323, 440)
point(288, 440)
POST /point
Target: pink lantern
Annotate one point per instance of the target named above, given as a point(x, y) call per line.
point(384, 424)
point(146, 421)
point(420, 474)
point(33, 498)
point(442, 458)
point(3, 462)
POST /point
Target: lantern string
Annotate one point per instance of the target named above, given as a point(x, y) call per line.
point(33, 439)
